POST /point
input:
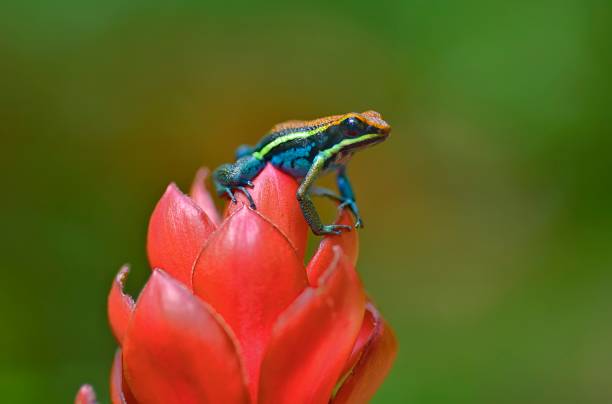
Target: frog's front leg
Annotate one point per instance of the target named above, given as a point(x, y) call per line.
point(237, 176)
point(308, 209)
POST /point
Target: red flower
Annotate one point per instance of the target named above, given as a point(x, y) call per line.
point(235, 317)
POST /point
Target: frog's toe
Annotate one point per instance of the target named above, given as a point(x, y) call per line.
point(230, 194)
point(248, 195)
point(344, 204)
point(352, 206)
point(334, 229)
point(348, 203)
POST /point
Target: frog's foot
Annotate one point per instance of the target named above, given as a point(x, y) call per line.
point(334, 229)
point(229, 191)
point(343, 203)
point(352, 206)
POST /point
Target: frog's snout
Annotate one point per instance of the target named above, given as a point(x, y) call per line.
point(381, 130)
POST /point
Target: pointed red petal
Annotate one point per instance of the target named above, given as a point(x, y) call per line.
point(85, 395)
point(116, 380)
point(373, 365)
point(202, 197)
point(120, 305)
point(368, 325)
point(176, 350)
point(177, 231)
point(348, 241)
point(313, 338)
point(275, 198)
point(249, 273)
point(119, 390)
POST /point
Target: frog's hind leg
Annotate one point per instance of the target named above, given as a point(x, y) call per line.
point(243, 150)
point(346, 199)
point(325, 193)
point(348, 196)
point(237, 176)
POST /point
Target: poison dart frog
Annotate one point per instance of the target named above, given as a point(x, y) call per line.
point(305, 150)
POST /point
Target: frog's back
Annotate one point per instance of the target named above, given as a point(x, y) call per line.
point(285, 131)
point(291, 146)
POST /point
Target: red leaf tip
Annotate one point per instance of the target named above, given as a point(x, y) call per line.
point(120, 304)
point(177, 231)
point(375, 359)
point(86, 395)
point(200, 195)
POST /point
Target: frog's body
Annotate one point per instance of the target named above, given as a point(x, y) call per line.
point(306, 150)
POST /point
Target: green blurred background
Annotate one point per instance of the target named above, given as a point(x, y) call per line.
point(488, 243)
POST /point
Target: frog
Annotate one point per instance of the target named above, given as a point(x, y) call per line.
point(307, 150)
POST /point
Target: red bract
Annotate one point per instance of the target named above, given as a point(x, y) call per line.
point(230, 313)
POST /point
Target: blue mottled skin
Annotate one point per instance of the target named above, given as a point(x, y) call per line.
point(305, 150)
point(294, 162)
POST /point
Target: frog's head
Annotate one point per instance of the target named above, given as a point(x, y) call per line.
point(357, 131)
point(366, 123)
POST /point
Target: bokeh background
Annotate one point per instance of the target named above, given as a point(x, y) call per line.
point(488, 243)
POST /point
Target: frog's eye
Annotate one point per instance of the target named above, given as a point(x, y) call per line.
point(352, 126)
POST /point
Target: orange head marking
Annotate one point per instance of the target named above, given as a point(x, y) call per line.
point(368, 119)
